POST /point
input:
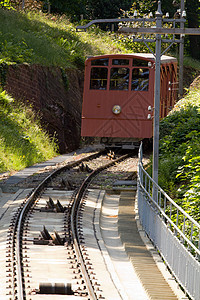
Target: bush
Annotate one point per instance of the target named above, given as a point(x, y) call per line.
point(189, 176)
point(179, 166)
point(175, 129)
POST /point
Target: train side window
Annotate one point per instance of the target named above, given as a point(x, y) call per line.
point(100, 62)
point(98, 78)
point(140, 79)
point(119, 78)
point(122, 62)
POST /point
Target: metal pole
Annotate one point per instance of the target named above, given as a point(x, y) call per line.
point(181, 54)
point(157, 96)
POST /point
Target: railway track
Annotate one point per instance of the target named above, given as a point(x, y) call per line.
point(46, 252)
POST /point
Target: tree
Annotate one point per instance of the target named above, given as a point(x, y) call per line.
point(74, 9)
point(104, 9)
point(193, 17)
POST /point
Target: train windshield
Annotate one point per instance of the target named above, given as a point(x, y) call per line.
point(119, 78)
point(140, 62)
point(98, 78)
point(140, 79)
point(100, 62)
point(121, 62)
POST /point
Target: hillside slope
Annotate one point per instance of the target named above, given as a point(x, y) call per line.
point(23, 142)
point(179, 169)
point(47, 48)
point(49, 40)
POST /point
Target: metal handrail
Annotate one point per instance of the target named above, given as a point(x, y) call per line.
point(158, 207)
point(178, 241)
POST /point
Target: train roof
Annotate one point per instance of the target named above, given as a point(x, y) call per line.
point(164, 58)
point(149, 56)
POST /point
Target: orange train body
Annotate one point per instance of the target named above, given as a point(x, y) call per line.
point(118, 95)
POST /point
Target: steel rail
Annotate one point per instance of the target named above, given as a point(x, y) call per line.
point(74, 220)
point(18, 286)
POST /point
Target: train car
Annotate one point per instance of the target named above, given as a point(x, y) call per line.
point(118, 97)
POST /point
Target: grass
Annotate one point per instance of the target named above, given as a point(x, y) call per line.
point(39, 38)
point(23, 142)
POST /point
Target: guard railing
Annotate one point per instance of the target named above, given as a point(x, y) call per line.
point(174, 233)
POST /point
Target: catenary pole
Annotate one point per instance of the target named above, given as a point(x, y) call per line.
point(181, 51)
point(156, 119)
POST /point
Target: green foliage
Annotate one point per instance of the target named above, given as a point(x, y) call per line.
point(147, 6)
point(35, 38)
point(168, 167)
point(193, 20)
point(179, 169)
point(128, 43)
point(175, 130)
point(189, 176)
point(105, 9)
point(16, 52)
point(49, 40)
point(22, 140)
point(5, 4)
point(5, 101)
point(88, 9)
point(74, 9)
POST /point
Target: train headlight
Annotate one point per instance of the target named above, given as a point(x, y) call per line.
point(116, 109)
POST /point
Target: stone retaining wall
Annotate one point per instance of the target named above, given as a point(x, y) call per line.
point(55, 94)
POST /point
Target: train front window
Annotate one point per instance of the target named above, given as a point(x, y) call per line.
point(119, 79)
point(98, 78)
point(140, 79)
point(122, 62)
point(100, 62)
point(140, 62)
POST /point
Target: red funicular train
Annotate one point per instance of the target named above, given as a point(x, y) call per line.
point(118, 96)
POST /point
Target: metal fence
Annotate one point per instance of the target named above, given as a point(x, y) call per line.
point(173, 232)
